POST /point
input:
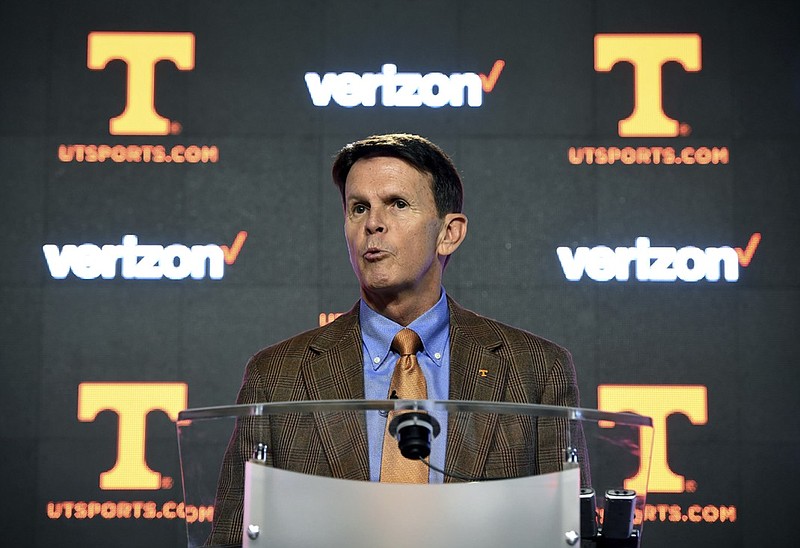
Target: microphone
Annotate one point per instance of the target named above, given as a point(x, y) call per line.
point(414, 432)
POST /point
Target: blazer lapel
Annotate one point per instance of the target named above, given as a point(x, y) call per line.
point(476, 373)
point(336, 372)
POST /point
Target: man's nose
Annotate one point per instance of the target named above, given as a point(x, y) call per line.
point(375, 222)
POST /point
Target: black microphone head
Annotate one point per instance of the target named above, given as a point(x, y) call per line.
point(415, 442)
point(414, 431)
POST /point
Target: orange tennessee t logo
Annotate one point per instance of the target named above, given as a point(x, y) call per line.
point(140, 51)
point(131, 401)
point(658, 402)
point(647, 53)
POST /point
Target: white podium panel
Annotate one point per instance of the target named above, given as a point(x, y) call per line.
point(284, 508)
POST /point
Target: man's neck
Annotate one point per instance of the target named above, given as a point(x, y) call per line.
point(401, 310)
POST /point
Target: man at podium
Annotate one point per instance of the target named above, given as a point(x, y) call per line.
point(405, 338)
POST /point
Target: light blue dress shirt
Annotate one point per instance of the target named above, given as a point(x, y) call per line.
point(377, 333)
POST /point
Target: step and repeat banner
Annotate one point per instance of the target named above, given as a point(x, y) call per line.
point(631, 178)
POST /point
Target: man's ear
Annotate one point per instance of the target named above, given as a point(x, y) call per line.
point(453, 232)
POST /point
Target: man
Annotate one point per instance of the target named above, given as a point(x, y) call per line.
point(402, 200)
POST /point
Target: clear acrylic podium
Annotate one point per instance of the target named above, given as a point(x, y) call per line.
point(513, 475)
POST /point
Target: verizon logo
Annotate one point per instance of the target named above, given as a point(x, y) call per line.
point(401, 89)
point(134, 261)
point(656, 264)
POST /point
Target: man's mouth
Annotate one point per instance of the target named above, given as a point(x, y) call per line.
point(374, 254)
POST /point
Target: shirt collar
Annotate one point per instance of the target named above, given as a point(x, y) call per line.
point(433, 328)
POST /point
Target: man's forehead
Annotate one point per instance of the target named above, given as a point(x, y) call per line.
point(385, 170)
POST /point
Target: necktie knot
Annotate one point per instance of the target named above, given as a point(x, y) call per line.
point(406, 342)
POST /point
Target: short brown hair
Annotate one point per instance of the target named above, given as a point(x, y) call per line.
point(422, 154)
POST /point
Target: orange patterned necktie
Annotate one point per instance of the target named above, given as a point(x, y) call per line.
point(408, 382)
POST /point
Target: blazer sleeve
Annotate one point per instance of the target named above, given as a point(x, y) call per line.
point(554, 435)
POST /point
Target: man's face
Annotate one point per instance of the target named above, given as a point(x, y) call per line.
point(392, 229)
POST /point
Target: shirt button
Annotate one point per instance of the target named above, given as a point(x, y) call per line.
point(437, 355)
point(376, 360)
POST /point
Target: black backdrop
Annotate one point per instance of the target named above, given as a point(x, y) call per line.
point(249, 151)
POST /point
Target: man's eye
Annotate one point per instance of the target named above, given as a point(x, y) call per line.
point(359, 209)
point(401, 204)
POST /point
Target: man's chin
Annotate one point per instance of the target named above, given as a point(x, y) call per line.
point(378, 288)
point(382, 290)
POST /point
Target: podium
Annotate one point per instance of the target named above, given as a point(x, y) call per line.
point(501, 474)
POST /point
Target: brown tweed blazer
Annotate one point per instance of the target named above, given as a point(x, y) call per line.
point(327, 364)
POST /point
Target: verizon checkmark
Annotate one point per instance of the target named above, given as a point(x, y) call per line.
point(746, 255)
point(232, 252)
point(488, 82)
